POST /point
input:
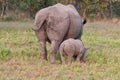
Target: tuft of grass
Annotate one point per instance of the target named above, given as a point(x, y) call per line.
point(20, 54)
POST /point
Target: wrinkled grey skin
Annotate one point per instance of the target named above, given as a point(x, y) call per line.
point(55, 24)
point(72, 47)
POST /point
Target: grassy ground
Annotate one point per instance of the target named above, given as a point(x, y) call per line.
point(20, 54)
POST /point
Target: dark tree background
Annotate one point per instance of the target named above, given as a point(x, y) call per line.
point(87, 8)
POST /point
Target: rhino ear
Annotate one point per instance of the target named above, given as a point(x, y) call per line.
point(39, 20)
point(84, 21)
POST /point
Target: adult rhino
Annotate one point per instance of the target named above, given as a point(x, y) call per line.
point(56, 24)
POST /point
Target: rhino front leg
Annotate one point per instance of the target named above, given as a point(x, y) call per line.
point(78, 57)
point(82, 58)
point(42, 45)
point(69, 59)
point(54, 48)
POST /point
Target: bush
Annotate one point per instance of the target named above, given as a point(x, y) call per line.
point(8, 18)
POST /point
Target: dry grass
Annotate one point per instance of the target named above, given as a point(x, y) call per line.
point(19, 54)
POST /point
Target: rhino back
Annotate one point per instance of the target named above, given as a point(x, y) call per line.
point(76, 26)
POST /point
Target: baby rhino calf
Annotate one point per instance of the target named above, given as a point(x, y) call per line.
point(72, 48)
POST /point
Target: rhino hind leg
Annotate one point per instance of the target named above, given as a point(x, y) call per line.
point(42, 45)
point(41, 36)
point(53, 50)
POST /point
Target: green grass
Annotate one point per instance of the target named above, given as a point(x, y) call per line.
point(20, 54)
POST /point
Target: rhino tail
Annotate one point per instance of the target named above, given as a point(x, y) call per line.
point(39, 21)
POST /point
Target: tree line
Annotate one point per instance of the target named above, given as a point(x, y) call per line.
point(87, 8)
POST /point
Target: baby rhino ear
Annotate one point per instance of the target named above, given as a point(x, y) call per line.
point(87, 48)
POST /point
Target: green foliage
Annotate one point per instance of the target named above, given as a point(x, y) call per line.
point(99, 8)
point(116, 9)
point(8, 18)
point(0, 6)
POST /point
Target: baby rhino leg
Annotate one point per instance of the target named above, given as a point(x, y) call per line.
point(70, 56)
point(70, 52)
point(62, 59)
point(82, 58)
point(62, 55)
point(69, 59)
point(78, 57)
